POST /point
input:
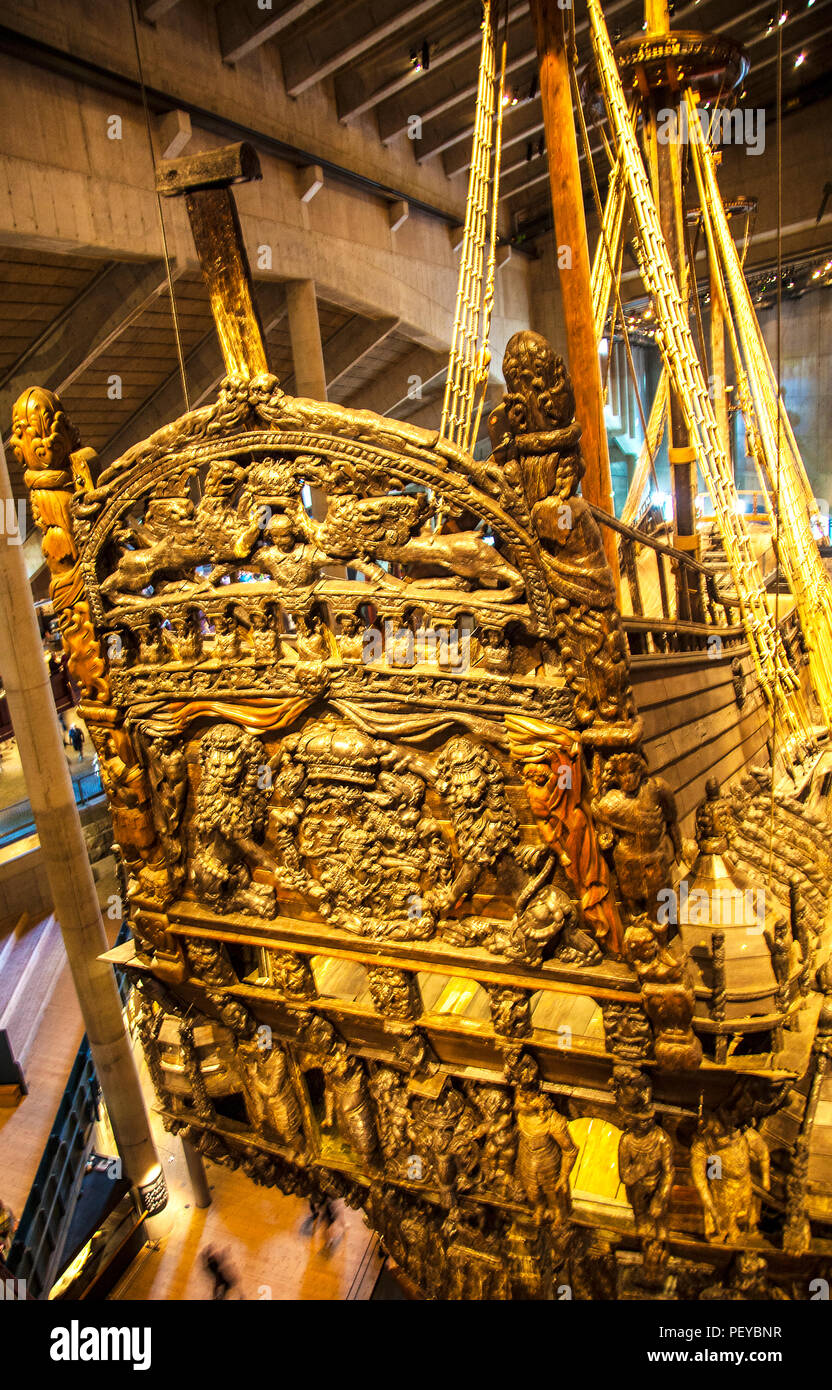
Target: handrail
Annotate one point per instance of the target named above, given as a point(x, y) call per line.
point(641, 538)
point(699, 609)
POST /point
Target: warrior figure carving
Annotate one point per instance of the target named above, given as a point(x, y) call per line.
point(270, 1096)
point(636, 814)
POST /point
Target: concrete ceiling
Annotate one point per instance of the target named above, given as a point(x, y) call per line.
point(373, 57)
point(101, 335)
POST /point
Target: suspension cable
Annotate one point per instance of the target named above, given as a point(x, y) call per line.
point(173, 310)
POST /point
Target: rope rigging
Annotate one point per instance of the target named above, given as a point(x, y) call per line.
point(469, 356)
point(686, 377)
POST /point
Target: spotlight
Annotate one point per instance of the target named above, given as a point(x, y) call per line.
point(800, 60)
point(420, 57)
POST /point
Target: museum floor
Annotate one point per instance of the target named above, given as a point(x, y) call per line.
point(262, 1235)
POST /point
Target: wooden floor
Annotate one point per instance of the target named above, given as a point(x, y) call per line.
point(264, 1238)
point(262, 1233)
point(25, 1130)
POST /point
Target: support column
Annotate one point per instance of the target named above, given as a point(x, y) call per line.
point(305, 335)
point(71, 883)
point(575, 284)
point(196, 1174)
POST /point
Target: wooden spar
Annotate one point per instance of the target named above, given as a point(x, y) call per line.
point(570, 232)
point(667, 190)
point(205, 181)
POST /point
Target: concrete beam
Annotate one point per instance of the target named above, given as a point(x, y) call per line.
point(305, 337)
point(401, 387)
point(151, 10)
point(520, 123)
point(173, 130)
point(433, 99)
point(399, 213)
point(436, 98)
point(311, 181)
point(350, 34)
point(204, 371)
point(84, 330)
point(350, 344)
point(243, 26)
point(353, 100)
point(456, 236)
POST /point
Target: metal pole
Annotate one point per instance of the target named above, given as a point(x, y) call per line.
point(48, 782)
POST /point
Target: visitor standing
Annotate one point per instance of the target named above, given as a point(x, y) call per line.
point(76, 738)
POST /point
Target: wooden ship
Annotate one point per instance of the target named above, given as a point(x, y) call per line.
point(476, 843)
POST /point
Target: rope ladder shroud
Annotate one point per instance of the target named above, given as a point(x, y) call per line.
point(778, 680)
point(805, 572)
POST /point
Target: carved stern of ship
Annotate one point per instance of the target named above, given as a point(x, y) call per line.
point(392, 852)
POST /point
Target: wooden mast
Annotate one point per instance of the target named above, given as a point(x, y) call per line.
point(667, 188)
point(570, 234)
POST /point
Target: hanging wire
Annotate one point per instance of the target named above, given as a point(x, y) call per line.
point(173, 311)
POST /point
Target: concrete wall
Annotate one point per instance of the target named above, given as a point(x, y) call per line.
point(806, 376)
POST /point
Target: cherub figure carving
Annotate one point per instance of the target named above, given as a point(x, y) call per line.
point(537, 462)
point(263, 635)
point(229, 824)
point(226, 648)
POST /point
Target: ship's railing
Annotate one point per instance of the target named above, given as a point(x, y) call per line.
point(666, 615)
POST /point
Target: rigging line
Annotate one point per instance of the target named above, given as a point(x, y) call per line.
point(613, 319)
point(600, 215)
point(173, 311)
point(693, 291)
point(481, 381)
